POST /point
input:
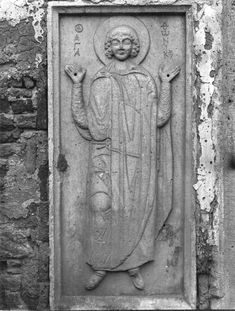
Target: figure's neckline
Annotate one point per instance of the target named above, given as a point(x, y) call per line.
point(113, 68)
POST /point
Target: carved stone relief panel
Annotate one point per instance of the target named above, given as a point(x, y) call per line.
point(120, 158)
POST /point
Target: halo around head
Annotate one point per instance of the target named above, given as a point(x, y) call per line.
point(107, 25)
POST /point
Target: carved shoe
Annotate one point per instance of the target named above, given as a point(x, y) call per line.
point(95, 279)
point(136, 278)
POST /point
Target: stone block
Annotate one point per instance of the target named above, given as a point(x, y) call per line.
point(6, 122)
point(43, 233)
point(2, 297)
point(42, 110)
point(42, 149)
point(20, 106)
point(20, 92)
point(30, 289)
point(16, 83)
point(43, 212)
point(4, 105)
point(14, 243)
point(9, 149)
point(14, 266)
point(12, 282)
point(13, 263)
point(31, 154)
point(3, 167)
point(28, 82)
point(14, 270)
point(13, 301)
point(43, 257)
point(117, 170)
point(30, 222)
point(1, 185)
point(10, 136)
point(27, 121)
point(21, 188)
point(43, 303)
point(43, 177)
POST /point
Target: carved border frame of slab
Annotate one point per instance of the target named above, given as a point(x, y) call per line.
point(58, 302)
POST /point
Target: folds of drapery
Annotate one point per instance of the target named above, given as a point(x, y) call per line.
point(136, 168)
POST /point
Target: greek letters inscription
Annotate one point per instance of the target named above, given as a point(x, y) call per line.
point(77, 41)
point(165, 36)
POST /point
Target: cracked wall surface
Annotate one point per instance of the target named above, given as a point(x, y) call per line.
point(24, 248)
point(24, 252)
point(209, 188)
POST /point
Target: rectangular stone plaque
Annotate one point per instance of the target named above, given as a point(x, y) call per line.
point(121, 164)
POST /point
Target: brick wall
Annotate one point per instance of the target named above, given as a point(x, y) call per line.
point(24, 253)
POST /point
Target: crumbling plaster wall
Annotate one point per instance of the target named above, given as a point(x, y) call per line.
point(228, 301)
point(209, 186)
point(23, 164)
point(24, 251)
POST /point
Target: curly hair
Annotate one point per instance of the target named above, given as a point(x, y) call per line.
point(131, 35)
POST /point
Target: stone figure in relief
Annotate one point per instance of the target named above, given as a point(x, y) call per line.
point(130, 161)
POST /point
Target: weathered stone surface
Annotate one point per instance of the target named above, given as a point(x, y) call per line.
point(14, 266)
point(28, 82)
point(3, 167)
point(6, 122)
point(228, 153)
point(20, 106)
point(30, 287)
point(42, 109)
point(4, 105)
point(43, 176)
point(30, 156)
point(12, 282)
point(8, 149)
point(23, 73)
point(31, 221)
point(121, 251)
point(13, 300)
point(44, 296)
point(97, 89)
point(2, 296)
point(10, 136)
point(43, 233)
point(23, 54)
point(3, 171)
point(18, 92)
point(43, 212)
point(21, 189)
point(62, 164)
point(14, 243)
point(27, 121)
point(16, 83)
point(43, 274)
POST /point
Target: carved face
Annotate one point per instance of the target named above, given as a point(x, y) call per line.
point(122, 43)
point(121, 46)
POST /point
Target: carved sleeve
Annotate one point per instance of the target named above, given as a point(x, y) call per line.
point(164, 108)
point(78, 108)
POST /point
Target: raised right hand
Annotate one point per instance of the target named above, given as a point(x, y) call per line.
point(76, 73)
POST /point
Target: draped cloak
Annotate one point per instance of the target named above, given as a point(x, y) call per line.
point(122, 128)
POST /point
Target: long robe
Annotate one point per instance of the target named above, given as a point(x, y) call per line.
point(122, 189)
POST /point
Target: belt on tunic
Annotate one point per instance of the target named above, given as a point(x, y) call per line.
point(131, 154)
point(107, 143)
